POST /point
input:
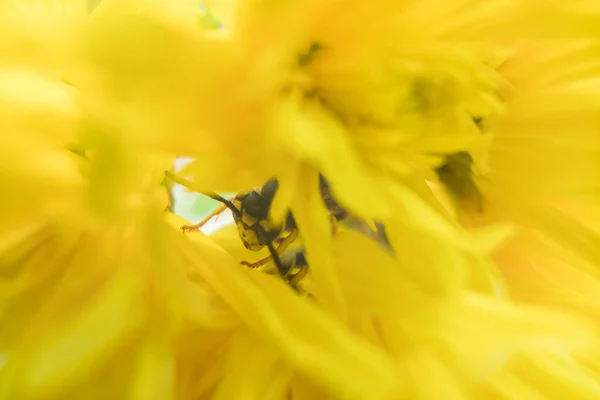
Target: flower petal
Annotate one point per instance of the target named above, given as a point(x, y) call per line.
point(309, 339)
point(51, 365)
point(244, 380)
point(312, 219)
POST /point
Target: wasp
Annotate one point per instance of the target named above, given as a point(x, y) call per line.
point(250, 212)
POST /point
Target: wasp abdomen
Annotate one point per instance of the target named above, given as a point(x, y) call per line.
point(331, 203)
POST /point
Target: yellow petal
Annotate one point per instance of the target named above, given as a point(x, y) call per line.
point(309, 339)
point(413, 212)
point(51, 115)
point(372, 280)
point(302, 389)
point(47, 367)
point(254, 371)
point(47, 185)
point(545, 376)
point(289, 179)
point(447, 386)
point(313, 221)
point(559, 376)
point(224, 10)
point(41, 34)
point(180, 11)
point(155, 372)
point(207, 310)
point(314, 137)
point(568, 232)
point(201, 361)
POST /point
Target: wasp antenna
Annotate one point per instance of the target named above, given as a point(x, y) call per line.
point(226, 202)
point(188, 184)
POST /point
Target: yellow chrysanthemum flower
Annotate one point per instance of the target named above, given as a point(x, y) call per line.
point(71, 273)
point(102, 295)
point(540, 170)
point(80, 283)
point(402, 318)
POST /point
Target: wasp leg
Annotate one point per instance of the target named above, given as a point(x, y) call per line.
point(334, 224)
point(217, 211)
point(298, 276)
point(285, 243)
